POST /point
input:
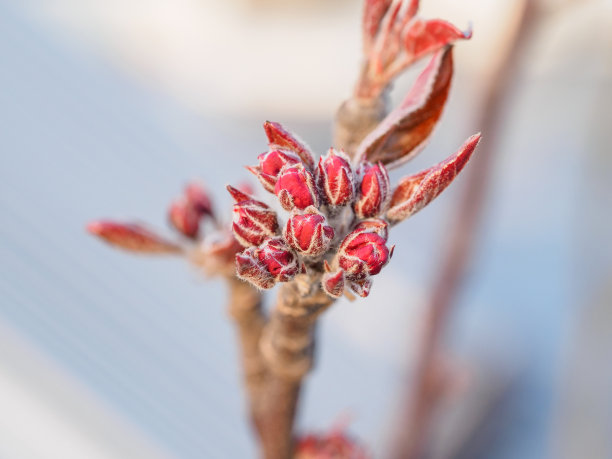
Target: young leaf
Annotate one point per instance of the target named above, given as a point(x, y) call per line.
point(422, 37)
point(405, 131)
point(132, 237)
point(416, 191)
point(373, 12)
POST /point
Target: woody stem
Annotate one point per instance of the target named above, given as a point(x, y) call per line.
point(287, 346)
point(245, 309)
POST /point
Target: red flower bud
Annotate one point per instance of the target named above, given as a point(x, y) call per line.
point(309, 233)
point(373, 190)
point(362, 255)
point(248, 268)
point(253, 221)
point(295, 188)
point(374, 225)
point(184, 218)
point(279, 137)
point(131, 236)
point(270, 165)
point(198, 199)
point(335, 444)
point(333, 283)
point(362, 287)
point(267, 264)
point(335, 178)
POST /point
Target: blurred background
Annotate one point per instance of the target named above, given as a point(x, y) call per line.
point(107, 108)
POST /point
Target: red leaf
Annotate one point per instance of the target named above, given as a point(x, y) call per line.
point(422, 36)
point(131, 236)
point(374, 11)
point(279, 137)
point(416, 191)
point(405, 131)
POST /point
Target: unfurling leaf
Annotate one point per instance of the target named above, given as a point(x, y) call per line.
point(405, 131)
point(132, 237)
point(374, 11)
point(416, 191)
point(422, 37)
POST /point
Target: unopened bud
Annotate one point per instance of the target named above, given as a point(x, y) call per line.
point(309, 233)
point(362, 255)
point(373, 190)
point(335, 178)
point(295, 188)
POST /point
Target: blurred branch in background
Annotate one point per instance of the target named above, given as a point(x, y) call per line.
point(431, 372)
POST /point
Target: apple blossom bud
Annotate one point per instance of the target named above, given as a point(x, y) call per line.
point(333, 283)
point(362, 255)
point(253, 221)
point(362, 287)
point(184, 218)
point(270, 165)
point(308, 233)
point(374, 225)
point(271, 262)
point(295, 188)
point(279, 137)
point(279, 259)
point(335, 444)
point(373, 190)
point(335, 178)
point(198, 199)
point(250, 269)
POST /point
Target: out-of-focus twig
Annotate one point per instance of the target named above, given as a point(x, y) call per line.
point(410, 441)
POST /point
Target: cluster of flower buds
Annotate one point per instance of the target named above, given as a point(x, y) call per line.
point(338, 218)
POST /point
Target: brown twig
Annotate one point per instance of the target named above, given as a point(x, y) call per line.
point(244, 307)
point(287, 347)
point(427, 390)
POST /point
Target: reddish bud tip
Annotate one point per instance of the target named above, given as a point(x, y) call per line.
point(335, 178)
point(185, 218)
point(279, 137)
point(295, 188)
point(373, 190)
point(238, 195)
point(333, 283)
point(271, 262)
point(253, 221)
point(309, 233)
point(362, 255)
point(374, 225)
point(199, 199)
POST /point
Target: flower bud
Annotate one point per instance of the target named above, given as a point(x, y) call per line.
point(374, 225)
point(267, 264)
point(198, 199)
point(309, 233)
point(279, 137)
point(335, 179)
point(253, 221)
point(248, 268)
point(362, 255)
point(184, 218)
point(270, 165)
point(333, 283)
point(373, 190)
point(295, 188)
